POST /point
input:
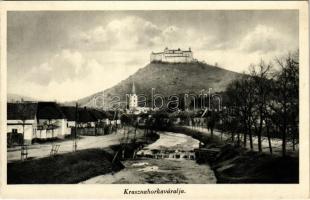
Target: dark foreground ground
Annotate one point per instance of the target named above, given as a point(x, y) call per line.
point(74, 167)
point(238, 165)
point(66, 168)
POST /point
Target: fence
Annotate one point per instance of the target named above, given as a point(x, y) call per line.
point(93, 131)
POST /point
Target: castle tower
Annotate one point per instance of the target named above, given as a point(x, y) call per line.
point(133, 98)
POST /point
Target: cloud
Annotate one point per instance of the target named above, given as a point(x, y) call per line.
point(120, 34)
point(67, 64)
point(264, 39)
point(261, 42)
point(237, 61)
point(71, 74)
point(100, 55)
point(133, 33)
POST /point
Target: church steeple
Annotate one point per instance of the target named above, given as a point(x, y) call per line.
point(133, 98)
point(133, 88)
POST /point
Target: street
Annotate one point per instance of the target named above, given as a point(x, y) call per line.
point(84, 142)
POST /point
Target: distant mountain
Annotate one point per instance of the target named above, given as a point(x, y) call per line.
point(168, 79)
point(16, 97)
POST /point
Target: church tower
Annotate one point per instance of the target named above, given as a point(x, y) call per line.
point(133, 98)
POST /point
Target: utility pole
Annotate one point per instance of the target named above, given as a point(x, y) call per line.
point(22, 111)
point(75, 128)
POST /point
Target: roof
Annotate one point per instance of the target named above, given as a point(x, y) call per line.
point(157, 52)
point(85, 115)
point(97, 114)
point(49, 110)
point(21, 111)
point(172, 51)
point(69, 112)
point(167, 49)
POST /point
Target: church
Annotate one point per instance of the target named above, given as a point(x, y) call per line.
point(173, 56)
point(133, 98)
point(133, 106)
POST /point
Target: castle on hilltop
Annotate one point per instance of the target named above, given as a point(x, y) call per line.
point(173, 56)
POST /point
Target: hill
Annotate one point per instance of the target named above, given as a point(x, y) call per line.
point(168, 79)
point(15, 97)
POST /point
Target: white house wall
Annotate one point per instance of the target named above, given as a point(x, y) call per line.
point(70, 124)
point(63, 126)
point(59, 132)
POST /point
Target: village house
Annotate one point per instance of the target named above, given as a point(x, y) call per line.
point(94, 122)
point(100, 116)
point(28, 121)
point(35, 120)
point(21, 122)
point(89, 121)
point(85, 118)
point(113, 118)
point(52, 123)
point(70, 114)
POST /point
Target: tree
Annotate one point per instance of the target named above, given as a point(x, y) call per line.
point(241, 105)
point(261, 92)
point(266, 103)
point(286, 94)
point(211, 122)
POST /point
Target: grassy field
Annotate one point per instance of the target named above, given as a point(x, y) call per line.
point(63, 169)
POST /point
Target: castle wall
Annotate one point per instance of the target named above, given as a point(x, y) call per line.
point(172, 56)
point(156, 57)
point(177, 59)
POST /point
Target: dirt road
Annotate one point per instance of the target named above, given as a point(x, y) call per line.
point(85, 142)
point(275, 143)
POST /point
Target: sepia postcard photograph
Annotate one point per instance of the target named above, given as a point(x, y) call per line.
point(152, 101)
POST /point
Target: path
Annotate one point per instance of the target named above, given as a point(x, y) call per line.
point(85, 142)
point(275, 142)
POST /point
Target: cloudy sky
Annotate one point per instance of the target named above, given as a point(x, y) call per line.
point(72, 54)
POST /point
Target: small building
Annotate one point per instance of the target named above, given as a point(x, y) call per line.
point(51, 121)
point(35, 120)
point(21, 122)
point(99, 115)
point(70, 114)
point(93, 122)
point(86, 119)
